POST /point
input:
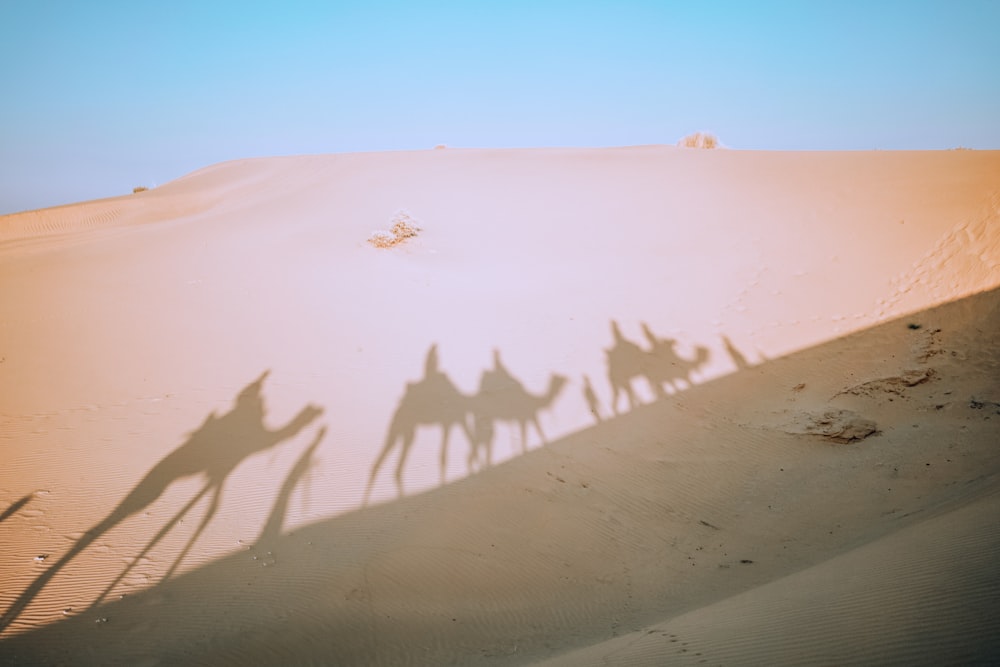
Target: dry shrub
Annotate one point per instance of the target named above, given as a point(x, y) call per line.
point(382, 240)
point(699, 140)
point(403, 227)
point(139, 188)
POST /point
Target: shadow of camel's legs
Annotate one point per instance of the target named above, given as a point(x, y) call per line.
point(443, 462)
point(13, 509)
point(446, 438)
point(623, 388)
point(481, 444)
point(299, 473)
point(152, 543)
point(43, 579)
point(209, 513)
point(489, 434)
point(470, 437)
point(538, 427)
point(390, 444)
point(404, 452)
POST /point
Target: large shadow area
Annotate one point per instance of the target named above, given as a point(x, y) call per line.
point(213, 452)
point(595, 534)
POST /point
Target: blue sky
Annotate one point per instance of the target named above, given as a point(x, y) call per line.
point(96, 98)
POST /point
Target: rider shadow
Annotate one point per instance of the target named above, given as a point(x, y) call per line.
point(590, 396)
point(738, 358)
point(219, 445)
point(434, 400)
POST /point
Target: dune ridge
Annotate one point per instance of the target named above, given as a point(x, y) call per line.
point(23, 228)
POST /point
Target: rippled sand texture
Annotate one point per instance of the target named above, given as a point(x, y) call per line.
point(632, 406)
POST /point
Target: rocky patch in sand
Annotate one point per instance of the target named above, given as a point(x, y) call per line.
point(896, 384)
point(841, 426)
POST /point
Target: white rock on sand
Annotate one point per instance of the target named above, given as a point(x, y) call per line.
point(791, 461)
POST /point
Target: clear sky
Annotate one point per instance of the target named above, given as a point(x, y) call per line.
point(98, 97)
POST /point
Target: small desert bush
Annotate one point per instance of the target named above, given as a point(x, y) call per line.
point(139, 188)
point(382, 240)
point(403, 227)
point(699, 140)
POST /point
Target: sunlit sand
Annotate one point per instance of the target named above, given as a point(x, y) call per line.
point(637, 406)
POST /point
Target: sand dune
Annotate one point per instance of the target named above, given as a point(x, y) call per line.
point(759, 395)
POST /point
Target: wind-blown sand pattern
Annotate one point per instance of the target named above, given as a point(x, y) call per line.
point(633, 406)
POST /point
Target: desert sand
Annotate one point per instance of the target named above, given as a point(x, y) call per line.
point(629, 406)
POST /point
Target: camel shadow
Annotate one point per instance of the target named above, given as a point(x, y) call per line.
point(660, 365)
point(213, 451)
point(626, 361)
point(670, 370)
point(434, 400)
point(503, 398)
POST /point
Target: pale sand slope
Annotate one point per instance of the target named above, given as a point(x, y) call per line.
point(122, 332)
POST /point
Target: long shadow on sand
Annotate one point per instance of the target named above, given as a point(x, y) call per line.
point(659, 365)
point(15, 507)
point(213, 451)
point(636, 519)
point(502, 398)
point(435, 401)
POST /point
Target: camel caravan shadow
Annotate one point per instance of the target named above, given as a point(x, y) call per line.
point(213, 451)
point(666, 371)
point(435, 401)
